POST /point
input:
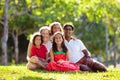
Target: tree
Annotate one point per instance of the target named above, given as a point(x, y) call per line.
point(20, 23)
point(112, 18)
point(5, 34)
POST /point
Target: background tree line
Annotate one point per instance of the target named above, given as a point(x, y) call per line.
point(97, 24)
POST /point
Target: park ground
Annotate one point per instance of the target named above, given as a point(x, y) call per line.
point(20, 72)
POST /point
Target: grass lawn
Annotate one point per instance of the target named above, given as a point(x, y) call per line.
point(19, 72)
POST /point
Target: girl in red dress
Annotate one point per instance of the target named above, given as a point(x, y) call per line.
point(38, 52)
point(60, 56)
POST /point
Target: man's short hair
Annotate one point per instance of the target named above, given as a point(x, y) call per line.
point(66, 25)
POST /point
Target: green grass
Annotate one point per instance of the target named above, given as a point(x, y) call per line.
point(20, 72)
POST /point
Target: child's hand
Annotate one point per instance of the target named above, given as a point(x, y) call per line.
point(60, 61)
point(48, 59)
point(43, 60)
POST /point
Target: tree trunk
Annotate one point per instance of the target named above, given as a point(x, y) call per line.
point(15, 38)
point(106, 44)
point(115, 49)
point(5, 35)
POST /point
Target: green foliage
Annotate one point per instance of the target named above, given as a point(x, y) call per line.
point(1, 8)
point(20, 72)
point(97, 12)
point(88, 16)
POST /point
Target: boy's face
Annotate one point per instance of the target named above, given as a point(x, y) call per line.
point(37, 40)
point(68, 31)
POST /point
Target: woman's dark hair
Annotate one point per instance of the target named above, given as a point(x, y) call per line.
point(34, 36)
point(54, 45)
point(52, 26)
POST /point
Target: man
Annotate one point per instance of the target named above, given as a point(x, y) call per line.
point(79, 53)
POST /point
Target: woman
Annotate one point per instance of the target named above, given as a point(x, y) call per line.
point(37, 58)
point(55, 27)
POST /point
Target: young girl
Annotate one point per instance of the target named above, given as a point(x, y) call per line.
point(38, 53)
point(45, 32)
point(60, 56)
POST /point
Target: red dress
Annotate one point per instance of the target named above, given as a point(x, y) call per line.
point(60, 63)
point(39, 52)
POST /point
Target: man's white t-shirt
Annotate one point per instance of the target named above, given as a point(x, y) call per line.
point(75, 47)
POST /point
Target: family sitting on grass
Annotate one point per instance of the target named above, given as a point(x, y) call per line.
point(54, 48)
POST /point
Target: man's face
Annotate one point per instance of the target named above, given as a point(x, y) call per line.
point(68, 31)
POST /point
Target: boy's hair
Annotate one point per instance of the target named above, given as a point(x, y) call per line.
point(54, 45)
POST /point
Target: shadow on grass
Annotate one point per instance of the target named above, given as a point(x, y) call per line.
point(61, 72)
point(34, 78)
point(57, 72)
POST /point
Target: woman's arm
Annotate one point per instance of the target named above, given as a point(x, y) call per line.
point(51, 55)
point(29, 51)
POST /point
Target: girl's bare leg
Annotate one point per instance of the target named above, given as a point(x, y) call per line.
point(31, 66)
point(36, 60)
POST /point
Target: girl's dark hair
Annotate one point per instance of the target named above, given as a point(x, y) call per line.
point(34, 36)
point(54, 45)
